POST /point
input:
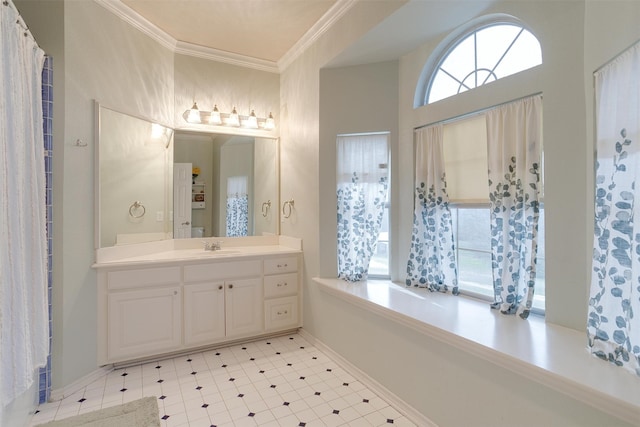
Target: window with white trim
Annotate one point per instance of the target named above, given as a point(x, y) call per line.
point(486, 54)
point(465, 157)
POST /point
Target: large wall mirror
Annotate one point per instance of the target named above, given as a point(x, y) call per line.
point(154, 183)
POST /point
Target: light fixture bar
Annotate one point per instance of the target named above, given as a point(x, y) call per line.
point(233, 119)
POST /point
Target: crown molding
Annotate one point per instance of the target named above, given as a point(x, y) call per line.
point(139, 22)
point(336, 12)
point(226, 57)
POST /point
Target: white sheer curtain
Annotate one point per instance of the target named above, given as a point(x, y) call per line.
point(237, 206)
point(362, 181)
point(24, 329)
point(432, 257)
point(514, 138)
point(614, 305)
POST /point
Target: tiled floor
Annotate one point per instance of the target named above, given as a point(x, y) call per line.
point(282, 381)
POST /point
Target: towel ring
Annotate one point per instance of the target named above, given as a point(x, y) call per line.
point(137, 210)
point(266, 207)
point(287, 207)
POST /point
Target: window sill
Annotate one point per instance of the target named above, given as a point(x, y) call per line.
point(549, 354)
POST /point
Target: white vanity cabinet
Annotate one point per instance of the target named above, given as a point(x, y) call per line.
point(144, 308)
point(222, 300)
point(157, 308)
point(281, 293)
point(204, 321)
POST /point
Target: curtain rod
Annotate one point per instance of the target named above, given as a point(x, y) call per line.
point(597, 70)
point(20, 20)
point(475, 113)
point(364, 133)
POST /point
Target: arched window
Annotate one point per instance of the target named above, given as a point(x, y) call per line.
point(483, 55)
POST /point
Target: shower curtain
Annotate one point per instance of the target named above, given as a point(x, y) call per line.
point(23, 259)
point(237, 206)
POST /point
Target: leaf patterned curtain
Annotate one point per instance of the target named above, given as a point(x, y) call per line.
point(613, 330)
point(237, 207)
point(362, 183)
point(514, 138)
point(432, 258)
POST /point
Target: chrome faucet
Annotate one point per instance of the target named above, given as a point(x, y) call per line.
point(212, 246)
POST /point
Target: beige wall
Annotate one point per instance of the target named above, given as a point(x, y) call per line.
point(265, 186)
point(354, 99)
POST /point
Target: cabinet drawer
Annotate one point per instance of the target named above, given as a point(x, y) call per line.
point(143, 277)
point(281, 313)
point(222, 270)
point(280, 285)
point(280, 265)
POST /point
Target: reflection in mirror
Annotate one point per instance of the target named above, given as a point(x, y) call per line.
point(135, 180)
point(224, 185)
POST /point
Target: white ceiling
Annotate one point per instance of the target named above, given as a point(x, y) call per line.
point(269, 33)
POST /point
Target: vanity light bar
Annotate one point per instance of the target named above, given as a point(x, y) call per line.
point(233, 119)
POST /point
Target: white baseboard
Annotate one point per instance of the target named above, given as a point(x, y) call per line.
point(79, 384)
point(401, 406)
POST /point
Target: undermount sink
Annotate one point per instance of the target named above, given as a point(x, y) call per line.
point(221, 252)
point(201, 253)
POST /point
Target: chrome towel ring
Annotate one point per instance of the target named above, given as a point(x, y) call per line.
point(266, 207)
point(137, 210)
point(287, 207)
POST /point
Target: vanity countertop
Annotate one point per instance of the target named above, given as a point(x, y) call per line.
point(180, 251)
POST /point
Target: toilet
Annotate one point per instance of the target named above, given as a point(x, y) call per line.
point(197, 231)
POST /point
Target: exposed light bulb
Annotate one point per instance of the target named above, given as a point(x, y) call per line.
point(194, 114)
point(252, 121)
point(270, 123)
point(215, 118)
point(234, 120)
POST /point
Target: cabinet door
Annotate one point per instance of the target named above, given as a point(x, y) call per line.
point(144, 322)
point(204, 313)
point(244, 307)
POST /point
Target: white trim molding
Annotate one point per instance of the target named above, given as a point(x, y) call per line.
point(140, 23)
point(203, 52)
point(79, 384)
point(400, 405)
point(560, 362)
point(336, 12)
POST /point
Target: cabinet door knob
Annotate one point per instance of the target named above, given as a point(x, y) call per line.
point(175, 292)
point(231, 286)
point(220, 287)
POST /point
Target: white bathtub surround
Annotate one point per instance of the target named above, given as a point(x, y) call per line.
point(24, 327)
